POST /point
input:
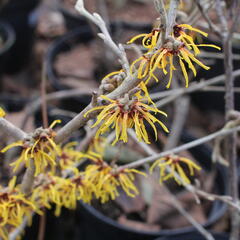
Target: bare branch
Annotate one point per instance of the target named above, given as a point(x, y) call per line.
point(222, 132)
point(10, 130)
point(98, 21)
point(211, 25)
point(193, 87)
point(163, 18)
point(28, 178)
point(172, 13)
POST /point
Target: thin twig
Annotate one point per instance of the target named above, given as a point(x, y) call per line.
point(195, 191)
point(176, 203)
point(231, 141)
point(204, 12)
point(17, 231)
point(98, 21)
point(222, 132)
point(43, 97)
point(42, 226)
point(35, 103)
point(221, 17)
point(219, 89)
point(194, 87)
point(30, 172)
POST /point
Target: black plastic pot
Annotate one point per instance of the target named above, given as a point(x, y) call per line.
point(208, 100)
point(96, 226)
point(7, 36)
point(22, 17)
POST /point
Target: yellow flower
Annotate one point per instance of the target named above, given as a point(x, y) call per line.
point(126, 179)
point(175, 163)
point(2, 112)
point(149, 40)
point(123, 114)
point(179, 34)
point(179, 45)
point(97, 144)
point(3, 231)
point(107, 181)
point(112, 74)
point(72, 190)
point(40, 147)
point(143, 65)
point(69, 157)
point(14, 206)
point(164, 57)
point(45, 193)
point(108, 188)
point(63, 192)
point(83, 189)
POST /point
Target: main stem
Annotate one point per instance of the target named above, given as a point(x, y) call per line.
point(231, 141)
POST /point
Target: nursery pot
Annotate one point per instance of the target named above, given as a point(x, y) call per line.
point(96, 226)
point(21, 15)
point(7, 38)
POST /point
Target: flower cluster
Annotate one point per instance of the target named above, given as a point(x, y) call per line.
point(63, 192)
point(178, 44)
point(107, 179)
point(39, 147)
point(14, 206)
point(124, 113)
point(175, 164)
point(98, 180)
